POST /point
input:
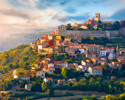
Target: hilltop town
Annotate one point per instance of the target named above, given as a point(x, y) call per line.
point(75, 57)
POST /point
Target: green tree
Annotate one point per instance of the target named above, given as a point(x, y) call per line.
point(64, 72)
point(36, 86)
point(44, 86)
point(89, 26)
point(116, 25)
point(91, 80)
point(100, 25)
point(25, 59)
point(9, 66)
point(92, 38)
point(68, 26)
point(122, 96)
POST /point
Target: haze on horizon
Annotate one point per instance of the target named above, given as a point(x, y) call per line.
point(29, 16)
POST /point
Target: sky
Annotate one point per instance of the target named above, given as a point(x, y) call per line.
point(31, 16)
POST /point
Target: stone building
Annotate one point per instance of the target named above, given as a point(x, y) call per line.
point(97, 16)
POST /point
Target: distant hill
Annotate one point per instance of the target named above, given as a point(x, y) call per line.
point(18, 39)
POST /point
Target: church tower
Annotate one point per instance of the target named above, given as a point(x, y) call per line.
point(97, 16)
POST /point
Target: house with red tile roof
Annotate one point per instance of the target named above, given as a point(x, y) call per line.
point(92, 22)
point(75, 65)
point(97, 70)
point(60, 64)
point(105, 50)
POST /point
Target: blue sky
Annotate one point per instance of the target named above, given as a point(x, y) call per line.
point(29, 16)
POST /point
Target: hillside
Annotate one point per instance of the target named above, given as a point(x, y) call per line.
point(22, 56)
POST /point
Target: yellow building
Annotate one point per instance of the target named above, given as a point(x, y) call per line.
point(103, 63)
point(68, 39)
point(56, 32)
point(75, 25)
point(58, 41)
point(94, 60)
point(84, 27)
point(50, 36)
point(58, 37)
point(48, 50)
point(28, 87)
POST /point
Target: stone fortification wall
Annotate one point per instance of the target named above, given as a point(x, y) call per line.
point(85, 34)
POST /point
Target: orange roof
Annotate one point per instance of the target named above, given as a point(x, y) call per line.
point(58, 62)
point(91, 45)
point(51, 35)
point(74, 44)
point(51, 46)
point(94, 45)
point(68, 37)
point(122, 61)
point(96, 67)
point(49, 78)
point(111, 22)
point(58, 35)
point(108, 48)
point(44, 35)
point(95, 58)
point(75, 63)
point(58, 39)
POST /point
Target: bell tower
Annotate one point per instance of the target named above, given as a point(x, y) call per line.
point(97, 16)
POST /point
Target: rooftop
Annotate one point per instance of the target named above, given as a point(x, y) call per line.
point(96, 67)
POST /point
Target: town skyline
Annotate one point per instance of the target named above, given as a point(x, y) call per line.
point(31, 16)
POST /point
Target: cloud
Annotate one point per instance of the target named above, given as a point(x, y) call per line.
point(70, 10)
point(72, 18)
point(17, 13)
point(80, 17)
point(64, 18)
point(63, 3)
point(25, 16)
point(30, 3)
point(119, 15)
